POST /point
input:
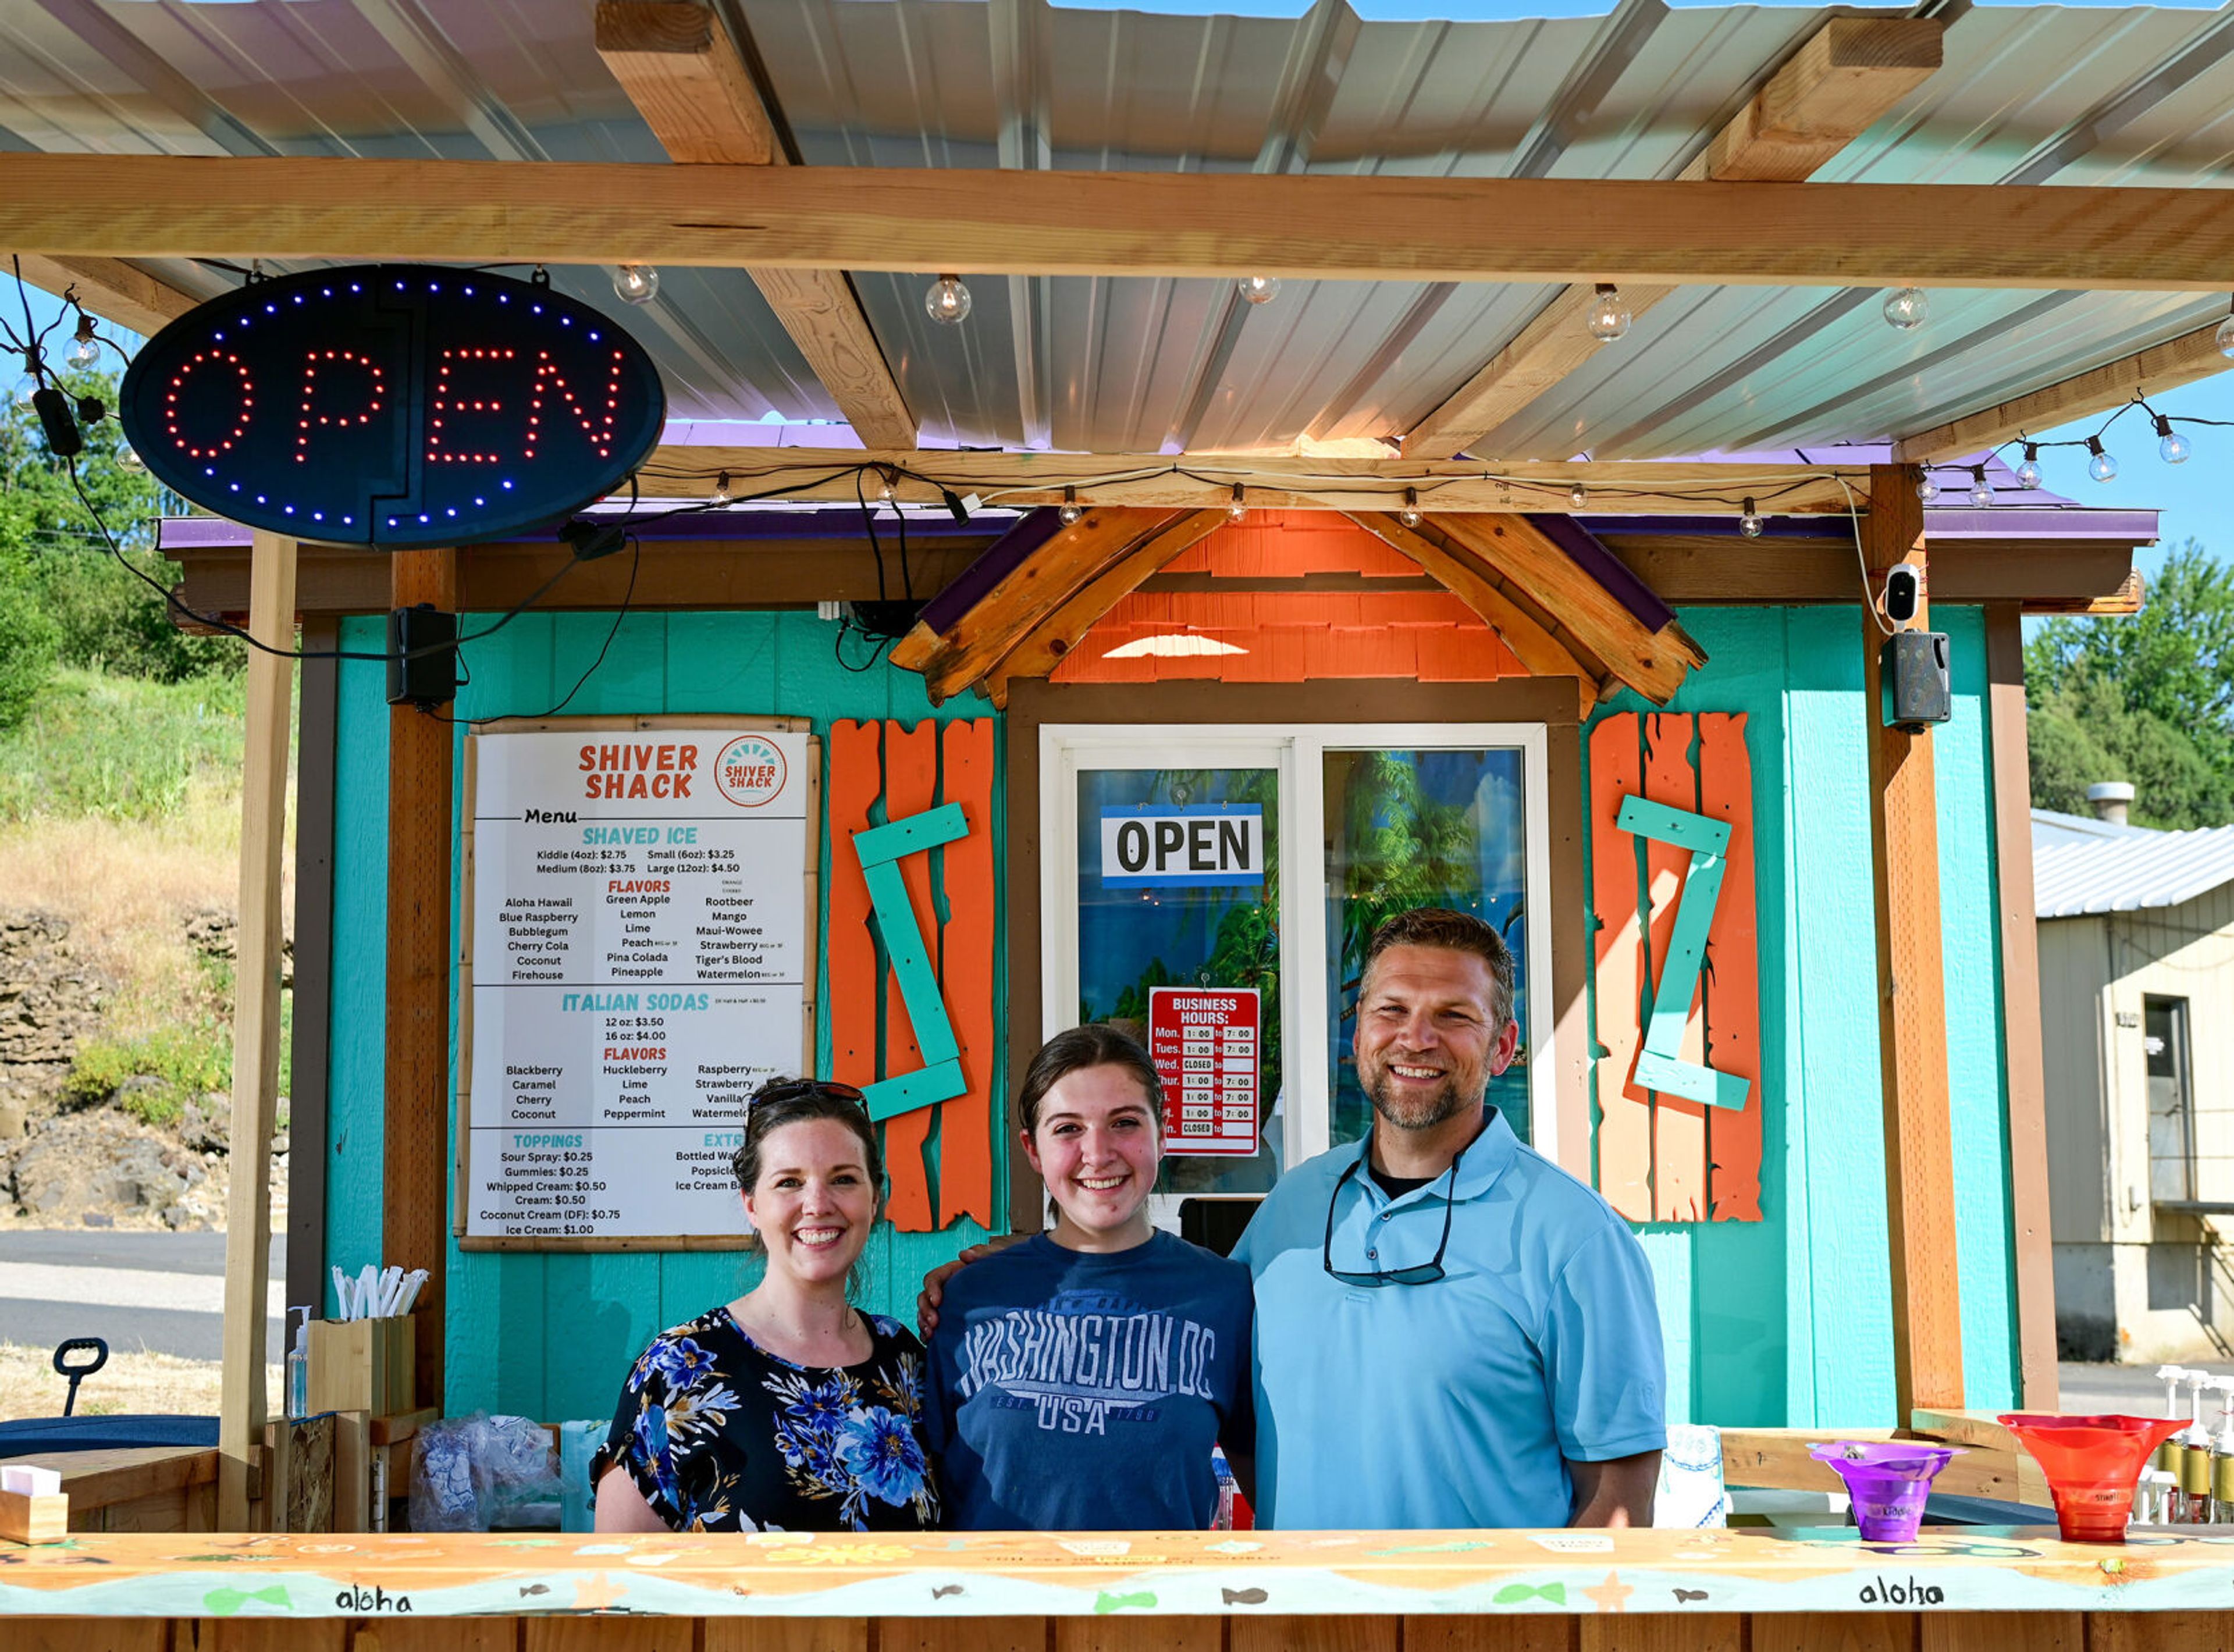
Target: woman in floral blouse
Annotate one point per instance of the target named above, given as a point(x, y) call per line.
point(787, 1409)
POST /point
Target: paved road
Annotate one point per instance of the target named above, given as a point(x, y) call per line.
point(161, 1292)
point(2131, 1389)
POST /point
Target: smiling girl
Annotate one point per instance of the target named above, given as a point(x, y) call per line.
point(787, 1409)
point(1080, 1379)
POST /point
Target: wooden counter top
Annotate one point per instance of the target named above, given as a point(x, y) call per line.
point(1482, 1574)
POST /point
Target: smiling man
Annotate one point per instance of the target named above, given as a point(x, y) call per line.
point(1451, 1330)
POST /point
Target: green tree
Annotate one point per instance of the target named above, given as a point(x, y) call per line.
point(2147, 698)
point(101, 617)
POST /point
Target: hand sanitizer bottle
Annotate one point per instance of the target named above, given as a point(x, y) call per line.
point(2222, 1456)
point(2195, 1456)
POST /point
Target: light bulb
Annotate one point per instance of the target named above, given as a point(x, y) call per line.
point(129, 458)
point(1926, 489)
point(27, 382)
point(1609, 317)
point(1409, 516)
point(1070, 511)
point(1906, 308)
point(2102, 467)
point(1750, 524)
point(637, 283)
point(85, 348)
point(884, 487)
point(2029, 471)
point(1981, 491)
point(1577, 496)
point(947, 301)
point(1239, 507)
point(2171, 446)
point(1260, 290)
point(721, 489)
point(2225, 336)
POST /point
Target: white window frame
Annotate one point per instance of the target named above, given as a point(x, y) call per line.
point(1296, 751)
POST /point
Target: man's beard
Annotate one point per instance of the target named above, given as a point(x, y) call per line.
point(1444, 1103)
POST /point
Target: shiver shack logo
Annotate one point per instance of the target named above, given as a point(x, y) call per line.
point(749, 771)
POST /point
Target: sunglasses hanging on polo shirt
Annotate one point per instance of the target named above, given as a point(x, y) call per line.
point(1424, 1273)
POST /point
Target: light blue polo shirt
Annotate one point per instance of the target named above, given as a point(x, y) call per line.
point(1455, 1403)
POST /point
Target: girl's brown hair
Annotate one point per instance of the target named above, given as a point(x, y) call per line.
point(1094, 1045)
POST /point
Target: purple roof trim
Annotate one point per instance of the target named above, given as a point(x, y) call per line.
point(1954, 522)
point(996, 563)
point(839, 522)
point(1585, 551)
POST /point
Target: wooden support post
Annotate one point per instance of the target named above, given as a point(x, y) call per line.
point(256, 1021)
point(1927, 1319)
point(414, 1206)
point(2020, 1031)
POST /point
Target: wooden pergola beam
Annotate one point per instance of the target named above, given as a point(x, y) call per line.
point(2150, 372)
point(1323, 226)
point(110, 289)
point(1483, 588)
point(1163, 481)
point(1838, 84)
point(687, 80)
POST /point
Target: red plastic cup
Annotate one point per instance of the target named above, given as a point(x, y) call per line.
point(1888, 1481)
point(2092, 1465)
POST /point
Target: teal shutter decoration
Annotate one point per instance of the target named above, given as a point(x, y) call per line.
point(1659, 1064)
point(881, 849)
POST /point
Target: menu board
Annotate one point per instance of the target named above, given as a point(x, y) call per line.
point(639, 953)
point(1204, 1042)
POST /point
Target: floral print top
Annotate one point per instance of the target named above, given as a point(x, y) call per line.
point(721, 1436)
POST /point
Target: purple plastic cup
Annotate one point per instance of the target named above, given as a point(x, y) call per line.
point(1889, 1481)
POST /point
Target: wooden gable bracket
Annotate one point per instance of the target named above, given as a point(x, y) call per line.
point(1531, 627)
point(689, 82)
point(1835, 87)
point(1030, 586)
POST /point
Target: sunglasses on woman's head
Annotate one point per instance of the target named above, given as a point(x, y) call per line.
point(799, 1089)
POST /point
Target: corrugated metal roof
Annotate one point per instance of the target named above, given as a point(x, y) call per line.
point(2033, 94)
point(2082, 868)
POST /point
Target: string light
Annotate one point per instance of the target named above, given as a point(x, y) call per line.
point(28, 384)
point(1409, 516)
point(2225, 336)
point(1239, 507)
point(720, 494)
point(884, 487)
point(2171, 446)
point(1577, 496)
point(1926, 489)
point(1609, 317)
point(2029, 471)
point(637, 282)
point(85, 347)
point(1260, 290)
point(1906, 308)
point(1981, 491)
point(1750, 524)
point(2102, 467)
point(947, 301)
point(1070, 511)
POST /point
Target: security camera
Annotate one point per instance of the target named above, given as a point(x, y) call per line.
point(1904, 592)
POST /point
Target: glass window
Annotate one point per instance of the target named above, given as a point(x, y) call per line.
point(2172, 1120)
point(1178, 885)
point(1184, 861)
point(1408, 828)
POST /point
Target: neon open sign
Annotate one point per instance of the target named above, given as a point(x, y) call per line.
point(393, 405)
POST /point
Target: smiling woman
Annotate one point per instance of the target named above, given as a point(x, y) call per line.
point(785, 1410)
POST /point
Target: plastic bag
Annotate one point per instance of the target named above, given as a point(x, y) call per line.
point(474, 1473)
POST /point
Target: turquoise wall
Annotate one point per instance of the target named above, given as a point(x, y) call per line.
point(1789, 1320)
point(551, 1335)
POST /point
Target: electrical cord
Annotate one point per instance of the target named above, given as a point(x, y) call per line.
point(628, 596)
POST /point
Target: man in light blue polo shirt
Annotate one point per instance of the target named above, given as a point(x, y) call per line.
point(1451, 1330)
